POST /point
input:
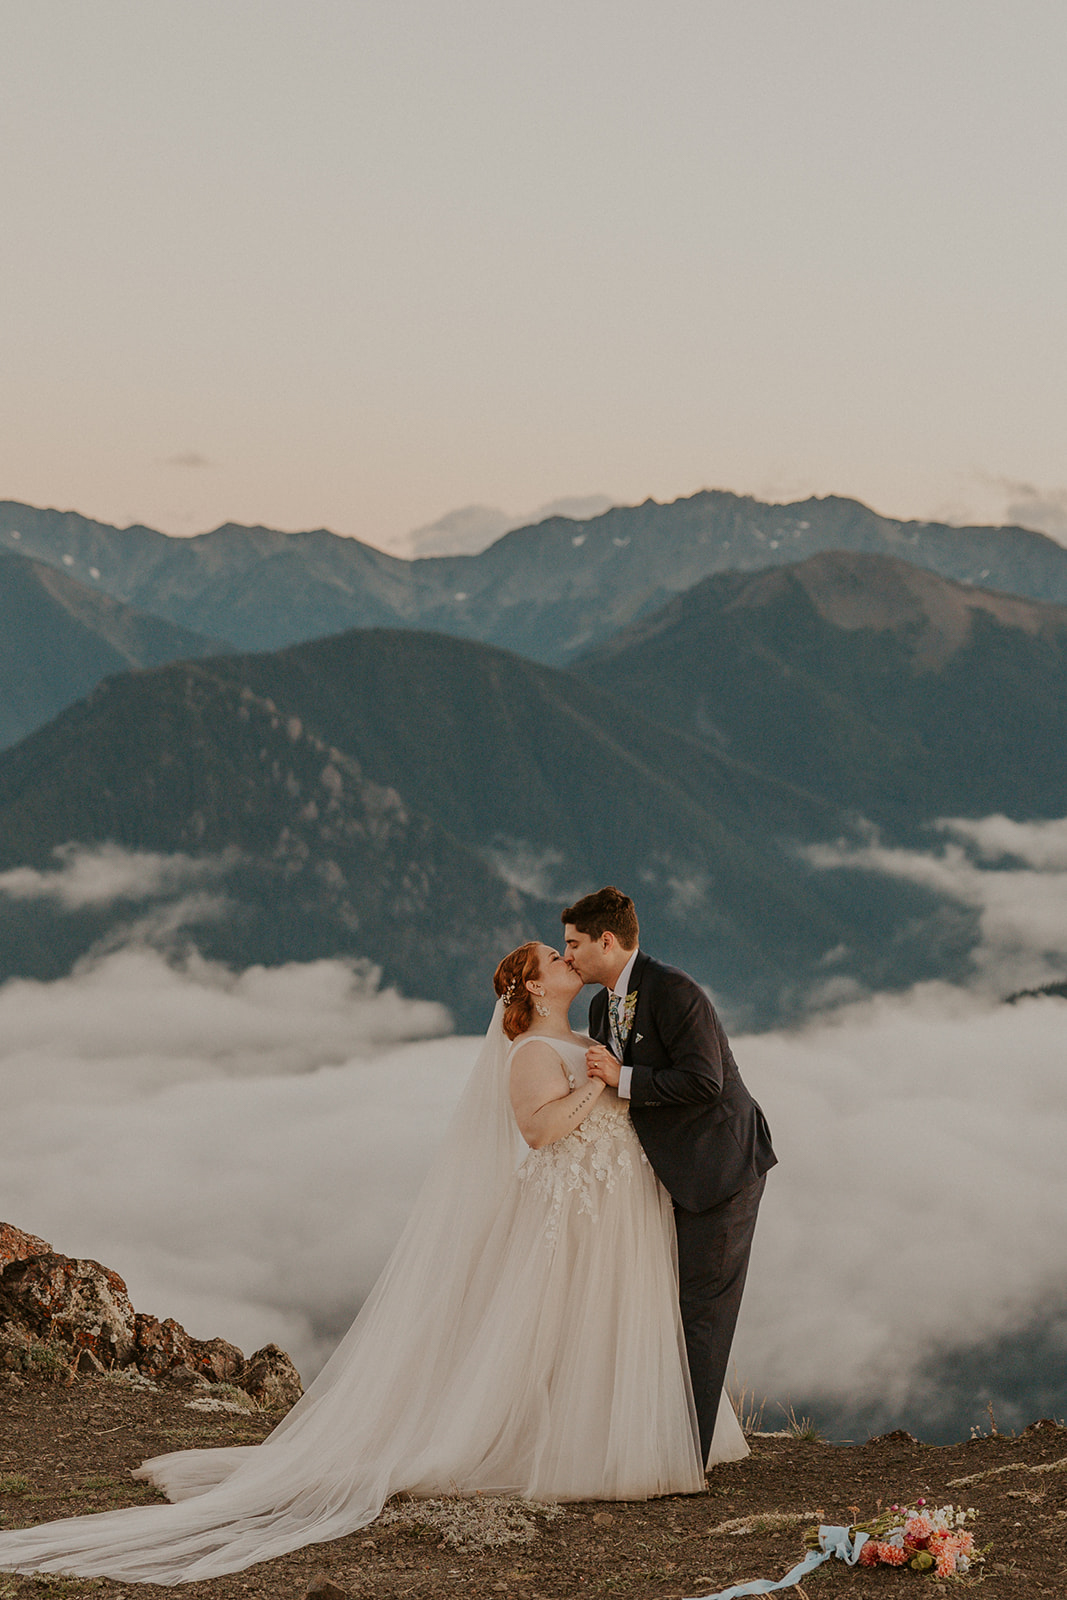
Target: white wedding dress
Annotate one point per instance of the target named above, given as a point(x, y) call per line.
point(524, 1339)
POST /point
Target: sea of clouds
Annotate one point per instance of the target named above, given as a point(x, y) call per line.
point(243, 1148)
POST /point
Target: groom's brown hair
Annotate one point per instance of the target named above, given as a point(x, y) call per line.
point(606, 911)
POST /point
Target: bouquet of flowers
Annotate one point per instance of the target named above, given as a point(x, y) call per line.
point(922, 1538)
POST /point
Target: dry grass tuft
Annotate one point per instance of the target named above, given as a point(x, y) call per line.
point(766, 1522)
point(749, 1409)
point(1009, 1466)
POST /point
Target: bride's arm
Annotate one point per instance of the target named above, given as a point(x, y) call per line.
point(545, 1108)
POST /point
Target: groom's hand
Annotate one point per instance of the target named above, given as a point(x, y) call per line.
point(600, 1063)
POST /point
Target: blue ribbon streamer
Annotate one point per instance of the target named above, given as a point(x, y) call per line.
point(832, 1542)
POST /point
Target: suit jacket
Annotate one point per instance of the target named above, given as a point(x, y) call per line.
point(701, 1130)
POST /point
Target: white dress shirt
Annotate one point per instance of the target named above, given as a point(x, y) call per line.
point(621, 983)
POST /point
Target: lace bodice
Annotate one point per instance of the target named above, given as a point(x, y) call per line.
point(579, 1169)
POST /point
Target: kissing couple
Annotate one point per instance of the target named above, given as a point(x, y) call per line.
point(556, 1318)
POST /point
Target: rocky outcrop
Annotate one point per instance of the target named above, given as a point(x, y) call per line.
point(68, 1318)
point(18, 1246)
point(77, 1303)
point(163, 1345)
point(270, 1378)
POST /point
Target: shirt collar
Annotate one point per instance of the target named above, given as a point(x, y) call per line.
point(624, 978)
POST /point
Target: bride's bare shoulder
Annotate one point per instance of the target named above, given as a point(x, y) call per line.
point(536, 1051)
point(550, 1041)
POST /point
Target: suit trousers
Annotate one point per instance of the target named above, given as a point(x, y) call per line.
point(713, 1251)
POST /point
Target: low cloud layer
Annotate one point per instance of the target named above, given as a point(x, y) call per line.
point(99, 875)
point(531, 868)
point(160, 895)
point(918, 1205)
point(1014, 874)
point(243, 1148)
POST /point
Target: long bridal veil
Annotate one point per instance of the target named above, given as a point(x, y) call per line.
point(523, 1338)
point(363, 1430)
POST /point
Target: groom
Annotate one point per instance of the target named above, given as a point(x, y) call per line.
point(663, 1048)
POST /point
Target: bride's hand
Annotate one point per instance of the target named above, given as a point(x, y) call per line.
point(600, 1063)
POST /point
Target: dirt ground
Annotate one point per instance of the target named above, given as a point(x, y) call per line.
point(66, 1450)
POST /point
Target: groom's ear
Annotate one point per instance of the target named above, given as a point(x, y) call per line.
point(608, 939)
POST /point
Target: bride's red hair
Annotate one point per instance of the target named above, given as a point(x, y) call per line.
point(521, 967)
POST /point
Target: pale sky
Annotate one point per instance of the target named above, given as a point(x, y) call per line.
point(356, 263)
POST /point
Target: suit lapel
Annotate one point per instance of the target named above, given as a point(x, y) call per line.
point(635, 983)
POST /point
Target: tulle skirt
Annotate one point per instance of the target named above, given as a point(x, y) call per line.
point(554, 1369)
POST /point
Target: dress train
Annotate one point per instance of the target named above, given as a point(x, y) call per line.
point(523, 1339)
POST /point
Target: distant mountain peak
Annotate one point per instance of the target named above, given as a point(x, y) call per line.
point(852, 589)
point(899, 694)
point(471, 529)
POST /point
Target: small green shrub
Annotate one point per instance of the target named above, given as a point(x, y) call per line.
point(49, 1360)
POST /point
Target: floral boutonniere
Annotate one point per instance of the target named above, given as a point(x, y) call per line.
point(629, 1006)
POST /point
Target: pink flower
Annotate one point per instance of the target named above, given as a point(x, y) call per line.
point(892, 1555)
point(918, 1529)
point(945, 1548)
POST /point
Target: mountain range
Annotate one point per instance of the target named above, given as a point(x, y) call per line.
point(551, 591)
point(425, 799)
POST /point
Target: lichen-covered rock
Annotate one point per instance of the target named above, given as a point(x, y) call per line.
point(18, 1246)
point(76, 1303)
point(161, 1346)
point(61, 1317)
point(270, 1378)
point(216, 1359)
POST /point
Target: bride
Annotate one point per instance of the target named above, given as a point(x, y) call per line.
point(524, 1337)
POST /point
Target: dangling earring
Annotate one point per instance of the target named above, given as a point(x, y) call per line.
point(542, 1011)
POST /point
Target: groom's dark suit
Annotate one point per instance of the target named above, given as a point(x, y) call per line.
point(708, 1143)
